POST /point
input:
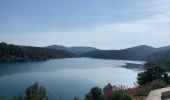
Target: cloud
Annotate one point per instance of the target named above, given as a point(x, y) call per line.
point(153, 29)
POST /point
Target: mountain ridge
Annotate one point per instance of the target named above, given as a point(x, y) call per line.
point(78, 50)
point(132, 53)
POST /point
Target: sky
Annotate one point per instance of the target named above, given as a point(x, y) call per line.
point(105, 24)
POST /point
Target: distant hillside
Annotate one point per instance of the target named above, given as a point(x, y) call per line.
point(9, 52)
point(76, 50)
point(134, 53)
point(57, 47)
point(159, 58)
point(163, 48)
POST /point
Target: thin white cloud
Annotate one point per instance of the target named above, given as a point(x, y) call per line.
point(153, 30)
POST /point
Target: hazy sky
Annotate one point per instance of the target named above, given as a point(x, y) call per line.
point(105, 24)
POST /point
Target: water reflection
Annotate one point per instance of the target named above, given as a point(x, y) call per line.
point(62, 76)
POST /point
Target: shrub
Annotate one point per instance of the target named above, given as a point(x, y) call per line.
point(1, 98)
point(145, 89)
point(36, 92)
point(157, 84)
point(76, 98)
point(121, 95)
point(18, 98)
point(151, 74)
point(94, 94)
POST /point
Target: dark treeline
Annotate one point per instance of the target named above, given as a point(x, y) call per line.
point(161, 58)
point(134, 53)
point(9, 52)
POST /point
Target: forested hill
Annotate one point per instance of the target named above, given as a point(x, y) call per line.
point(159, 58)
point(9, 52)
point(134, 53)
point(78, 50)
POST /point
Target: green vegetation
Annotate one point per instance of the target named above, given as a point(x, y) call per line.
point(76, 98)
point(36, 92)
point(109, 93)
point(33, 92)
point(1, 98)
point(121, 95)
point(161, 58)
point(18, 98)
point(151, 74)
point(94, 94)
point(133, 53)
point(9, 52)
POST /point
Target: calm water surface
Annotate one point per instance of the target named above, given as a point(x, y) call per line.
point(66, 78)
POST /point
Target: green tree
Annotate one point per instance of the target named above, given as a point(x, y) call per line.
point(121, 95)
point(1, 98)
point(94, 94)
point(36, 92)
point(151, 74)
point(76, 98)
point(18, 98)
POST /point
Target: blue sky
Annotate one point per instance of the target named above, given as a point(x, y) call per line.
point(105, 24)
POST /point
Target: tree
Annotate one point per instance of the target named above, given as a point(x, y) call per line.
point(94, 94)
point(76, 98)
point(36, 92)
point(18, 98)
point(120, 95)
point(1, 98)
point(108, 91)
point(151, 74)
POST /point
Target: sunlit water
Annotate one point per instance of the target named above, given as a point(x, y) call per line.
point(66, 78)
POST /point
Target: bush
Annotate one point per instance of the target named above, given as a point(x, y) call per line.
point(94, 94)
point(36, 92)
point(157, 84)
point(76, 98)
point(151, 74)
point(18, 98)
point(1, 98)
point(145, 89)
point(121, 95)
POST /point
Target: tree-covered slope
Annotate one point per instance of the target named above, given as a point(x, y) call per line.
point(9, 52)
point(134, 53)
point(159, 58)
point(78, 50)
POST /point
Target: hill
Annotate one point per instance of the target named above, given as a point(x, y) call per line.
point(9, 52)
point(159, 58)
point(78, 50)
point(134, 53)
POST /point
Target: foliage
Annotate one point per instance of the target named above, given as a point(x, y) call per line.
point(157, 84)
point(76, 98)
point(94, 94)
point(9, 52)
point(1, 98)
point(133, 53)
point(116, 93)
point(121, 95)
point(108, 91)
point(151, 74)
point(161, 58)
point(145, 89)
point(36, 92)
point(18, 98)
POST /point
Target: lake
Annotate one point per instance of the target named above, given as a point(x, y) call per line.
point(66, 78)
